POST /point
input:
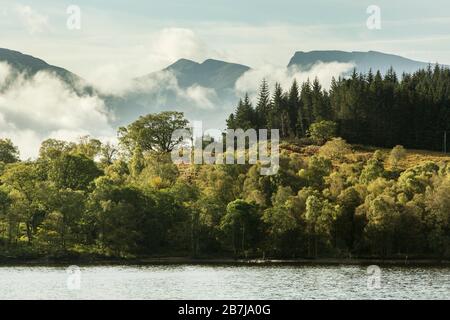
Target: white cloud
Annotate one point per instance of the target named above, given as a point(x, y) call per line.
point(161, 90)
point(171, 44)
point(159, 49)
point(32, 20)
point(111, 79)
point(5, 71)
point(202, 97)
point(34, 109)
point(250, 81)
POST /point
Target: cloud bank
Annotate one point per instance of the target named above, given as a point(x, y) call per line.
point(35, 108)
point(160, 49)
point(249, 82)
point(161, 91)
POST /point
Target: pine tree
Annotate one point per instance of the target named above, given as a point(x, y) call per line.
point(294, 110)
point(276, 108)
point(263, 105)
point(319, 107)
point(244, 116)
point(306, 105)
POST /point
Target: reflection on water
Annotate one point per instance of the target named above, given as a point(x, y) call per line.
point(223, 282)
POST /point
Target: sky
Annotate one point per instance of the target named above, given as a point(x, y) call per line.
point(119, 40)
point(133, 38)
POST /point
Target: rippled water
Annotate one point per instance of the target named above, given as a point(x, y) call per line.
point(223, 282)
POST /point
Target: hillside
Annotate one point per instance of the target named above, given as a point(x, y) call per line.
point(29, 66)
point(363, 153)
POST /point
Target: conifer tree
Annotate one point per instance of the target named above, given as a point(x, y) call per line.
point(294, 109)
point(263, 105)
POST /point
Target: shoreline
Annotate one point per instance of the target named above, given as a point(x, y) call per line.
point(224, 261)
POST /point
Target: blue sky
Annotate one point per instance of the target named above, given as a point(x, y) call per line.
point(137, 37)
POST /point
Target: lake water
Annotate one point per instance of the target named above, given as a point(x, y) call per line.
point(224, 282)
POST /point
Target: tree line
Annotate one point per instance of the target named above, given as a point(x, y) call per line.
point(369, 109)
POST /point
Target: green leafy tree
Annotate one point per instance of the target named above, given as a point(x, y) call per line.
point(397, 154)
point(318, 168)
point(240, 225)
point(153, 132)
point(89, 147)
point(61, 226)
point(319, 216)
point(335, 149)
point(52, 148)
point(9, 153)
point(383, 217)
point(73, 171)
point(438, 218)
point(23, 184)
point(373, 169)
point(322, 131)
point(282, 222)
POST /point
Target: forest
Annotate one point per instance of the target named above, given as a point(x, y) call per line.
point(368, 109)
point(334, 195)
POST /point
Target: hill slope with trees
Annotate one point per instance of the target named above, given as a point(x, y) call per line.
point(329, 198)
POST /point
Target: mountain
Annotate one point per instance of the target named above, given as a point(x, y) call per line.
point(198, 89)
point(29, 66)
point(214, 74)
point(203, 91)
point(363, 61)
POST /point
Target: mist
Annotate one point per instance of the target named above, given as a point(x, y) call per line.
point(42, 106)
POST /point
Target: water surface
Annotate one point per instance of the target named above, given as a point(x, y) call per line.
point(224, 282)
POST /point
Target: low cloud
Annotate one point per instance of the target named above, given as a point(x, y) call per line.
point(171, 44)
point(251, 80)
point(202, 97)
point(5, 72)
point(161, 91)
point(159, 50)
point(161, 88)
point(35, 108)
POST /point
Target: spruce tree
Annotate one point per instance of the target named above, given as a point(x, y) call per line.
point(276, 108)
point(294, 109)
point(263, 105)
point(306, 105)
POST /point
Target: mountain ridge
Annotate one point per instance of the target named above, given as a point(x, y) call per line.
point(31, 65)
point(211, 73)
point(363, 60)
point(185, 84)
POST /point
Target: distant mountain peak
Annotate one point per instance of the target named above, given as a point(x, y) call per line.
point(30, 65)
point(18, 59)
point(208, 62)
point(363, 60)
point(211, 73)
point(181, 63)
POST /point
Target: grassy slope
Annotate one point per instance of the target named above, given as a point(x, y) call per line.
point(413, 157)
